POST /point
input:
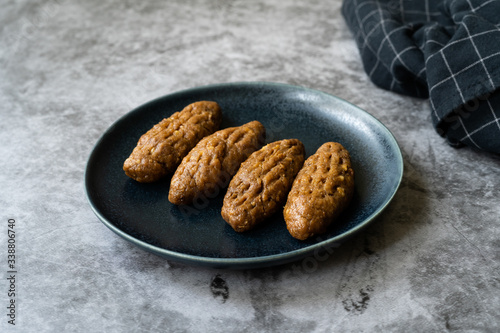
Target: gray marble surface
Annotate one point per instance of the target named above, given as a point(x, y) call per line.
point(69, 69)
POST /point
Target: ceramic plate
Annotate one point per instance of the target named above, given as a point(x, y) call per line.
point(197, 235)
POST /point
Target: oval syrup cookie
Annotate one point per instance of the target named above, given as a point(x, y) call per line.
point(160, 150)
point(321, 191)
point(210, 165)
point(260, 187)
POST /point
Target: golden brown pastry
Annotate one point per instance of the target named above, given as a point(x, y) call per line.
point(161, 149)
point(322, 190)
point(261, 185)
point(213, 161)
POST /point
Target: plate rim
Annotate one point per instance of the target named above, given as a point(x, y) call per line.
point(245, 262)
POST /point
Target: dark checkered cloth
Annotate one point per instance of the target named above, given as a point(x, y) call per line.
point(444, 50)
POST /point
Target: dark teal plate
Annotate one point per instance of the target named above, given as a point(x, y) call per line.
point(197, 235)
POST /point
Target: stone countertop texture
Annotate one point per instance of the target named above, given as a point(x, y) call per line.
point(69, 69)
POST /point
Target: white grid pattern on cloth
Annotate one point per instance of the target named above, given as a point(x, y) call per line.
point(467, 135)
point(474, 9)
point(454, 79)
point(496, 120)
point(433, 109)
point(420, 12)
point(463, 69)
point(394, 80)
point(387, 36)
point(460, 40)
point(427, 13)
point(423, 70)
point(398, 56)
point(375, 27)
point(452, 76)
point(367, 16)
point(495, 117)
point(477, 130)
point(360, 23)
point(470, 37)
point(480, 58)
point(365, 39)
point(427, 10)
